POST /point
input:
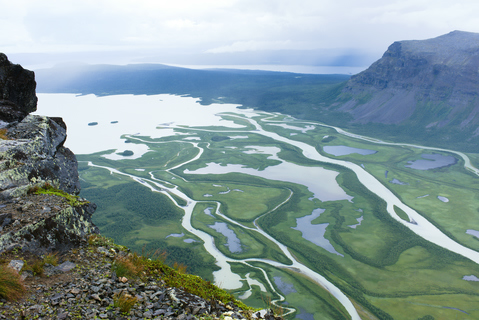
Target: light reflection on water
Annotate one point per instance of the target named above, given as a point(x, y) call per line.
point(432, 161)
point(315, 232)
point(232, 241)
point(345, 150)
point(321, 182)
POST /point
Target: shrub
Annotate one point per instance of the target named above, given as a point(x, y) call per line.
point(11, 286)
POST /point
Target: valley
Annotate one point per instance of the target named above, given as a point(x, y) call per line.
point(258, 203)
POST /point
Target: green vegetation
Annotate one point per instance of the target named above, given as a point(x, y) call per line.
point(36, 265)
point(403, 215)
point(72, 200)
point(124, 301)
point(136, 266)
point(382, 266)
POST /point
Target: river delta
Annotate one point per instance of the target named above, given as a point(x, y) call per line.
point(272, 205)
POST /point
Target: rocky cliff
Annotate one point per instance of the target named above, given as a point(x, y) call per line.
point(32, 156)
point(431, 85)
point(42, 221)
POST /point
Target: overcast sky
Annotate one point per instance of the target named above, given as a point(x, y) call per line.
point(311, 32)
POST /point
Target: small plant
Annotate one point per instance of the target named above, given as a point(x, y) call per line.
point(11, 287)
point(124, 301)
point(271, 305)
point(36, 266)
point(3, 134)
point(101, 241)
point(181, 268)
point(50, 258)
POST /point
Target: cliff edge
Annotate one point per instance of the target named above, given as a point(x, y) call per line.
point(32, 157)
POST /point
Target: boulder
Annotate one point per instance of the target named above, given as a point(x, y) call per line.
point(17, 91)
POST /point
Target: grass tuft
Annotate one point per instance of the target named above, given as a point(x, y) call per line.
point(11, 286)
point(3, 134)
point(128, 266)
point(51, 258)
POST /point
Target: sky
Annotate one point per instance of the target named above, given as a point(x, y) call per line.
point(351, 33)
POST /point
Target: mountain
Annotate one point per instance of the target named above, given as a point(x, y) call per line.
point(421, 91)
point(427, 89)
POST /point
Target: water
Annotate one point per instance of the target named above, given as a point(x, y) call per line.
point(433, 161)
point(443, 199)
point(471, 278)
point(344, 150)
point(315, 232)
point(286, 126)
point(284, 287)
point(472, 232)
point(175, 235)
point(142, 115)
point(396, 181)
point(232, 242)
point(207, 211)
point(85, 139)
point(359, 220)
point(328, 190)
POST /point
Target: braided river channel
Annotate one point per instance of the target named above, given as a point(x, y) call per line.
point(98, 124)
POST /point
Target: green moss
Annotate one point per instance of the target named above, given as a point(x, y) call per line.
point(72, 200)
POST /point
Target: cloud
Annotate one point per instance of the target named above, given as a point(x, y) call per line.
point(226, 26)
point(252, 46)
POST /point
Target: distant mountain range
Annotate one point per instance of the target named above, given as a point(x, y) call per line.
point(420, 91)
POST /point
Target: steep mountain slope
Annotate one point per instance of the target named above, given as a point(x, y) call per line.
point(430, 86)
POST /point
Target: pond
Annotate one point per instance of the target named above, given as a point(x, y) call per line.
point(285, 287)
point(359, 220)
point(232, 241)
point(432, 161)
point(472, 232)
point(315, 232)
point(345, 150)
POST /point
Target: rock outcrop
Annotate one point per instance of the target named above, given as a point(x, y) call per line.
point(17, 91)
point(32, 155)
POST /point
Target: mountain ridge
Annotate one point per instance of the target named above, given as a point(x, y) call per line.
point(442, 71)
